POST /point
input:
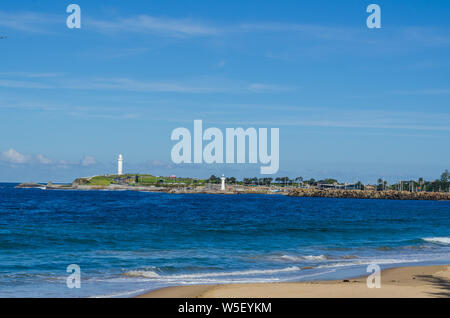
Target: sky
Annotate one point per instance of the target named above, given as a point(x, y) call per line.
point(351, 103)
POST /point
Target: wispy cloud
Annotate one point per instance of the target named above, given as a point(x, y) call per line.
point(153, 25)
point(397, 38)
point(193, 85)
point(14, 157)
point(427, 35)
point(23, 84)
point(346, 118)
point(88, 161)
point(260, 88)
point(431, 91)
point(30, 74)
point(32, 22)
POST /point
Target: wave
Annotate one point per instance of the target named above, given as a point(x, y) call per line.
point(129, 293)
point(303, 258)
point(438, 240)
point(145, 274)
point(152, 274)
point(369, 261)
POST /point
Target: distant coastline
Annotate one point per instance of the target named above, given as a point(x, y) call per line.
point(242, 189)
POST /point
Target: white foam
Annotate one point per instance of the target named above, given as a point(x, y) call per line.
point(303, 258)
point(315, 257)
point(145, 274)
point(153, 275)
point(134, 292)
point(237, 273)
point(439, 240)
point(369, 261)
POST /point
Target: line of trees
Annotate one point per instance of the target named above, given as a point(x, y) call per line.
point(438, 185)
point(419, 185)
point(279, 181)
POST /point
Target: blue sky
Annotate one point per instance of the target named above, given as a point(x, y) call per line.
point(351, 102)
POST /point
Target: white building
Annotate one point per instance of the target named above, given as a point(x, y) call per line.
point(120, 165)
point(222, 186)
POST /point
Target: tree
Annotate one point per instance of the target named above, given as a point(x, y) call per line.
point(379, 184)
point(445, 176)
point(421, 183)
point(231, 180)
point(214, 179)
point(359, 185)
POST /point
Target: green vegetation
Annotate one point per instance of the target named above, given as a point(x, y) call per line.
point(100, 180)
point(138, 180)
point(420, 185)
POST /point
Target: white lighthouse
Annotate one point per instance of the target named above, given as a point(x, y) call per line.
point(120, 165)
point(222, 186)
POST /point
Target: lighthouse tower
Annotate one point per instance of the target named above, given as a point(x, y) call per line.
point(222, 186)
point(119, 165)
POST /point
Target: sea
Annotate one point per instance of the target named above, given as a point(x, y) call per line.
point(126, 243)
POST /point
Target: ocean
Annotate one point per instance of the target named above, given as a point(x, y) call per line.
point(127, 243)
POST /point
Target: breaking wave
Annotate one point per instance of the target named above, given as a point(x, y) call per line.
point(438, 240)
point(152, 274)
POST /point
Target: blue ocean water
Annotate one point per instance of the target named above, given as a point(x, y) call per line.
point(129, 242)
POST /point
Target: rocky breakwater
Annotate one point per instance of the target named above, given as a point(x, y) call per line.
point(370, 194)
point(30, 185)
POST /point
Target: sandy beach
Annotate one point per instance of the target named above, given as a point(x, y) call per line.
point(409, 282)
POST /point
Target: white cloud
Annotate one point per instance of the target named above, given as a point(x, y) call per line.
point(88, 161)
point(148, 24)
point(261, 88)
point(13, 156)
point(221, 64)
point(43, 160)
point(23, 84)
point(33, 22)
point(197, 85)
point(30, 74)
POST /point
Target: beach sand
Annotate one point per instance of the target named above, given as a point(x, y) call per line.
point(409, 282)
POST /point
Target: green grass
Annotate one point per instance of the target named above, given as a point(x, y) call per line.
point(101, 180)
point(143, 180)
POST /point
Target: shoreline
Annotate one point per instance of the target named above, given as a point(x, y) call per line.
point(293, 192)
point(431, 281)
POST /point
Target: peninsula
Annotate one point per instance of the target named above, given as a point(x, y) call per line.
point(329, 188)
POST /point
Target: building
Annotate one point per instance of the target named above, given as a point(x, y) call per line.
point(120, 165)
point(222, 186)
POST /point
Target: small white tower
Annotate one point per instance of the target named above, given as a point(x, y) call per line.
point(119, 165)
point(222, 186)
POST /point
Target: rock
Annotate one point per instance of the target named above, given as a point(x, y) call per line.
point(29, 185)
point(370, 194)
